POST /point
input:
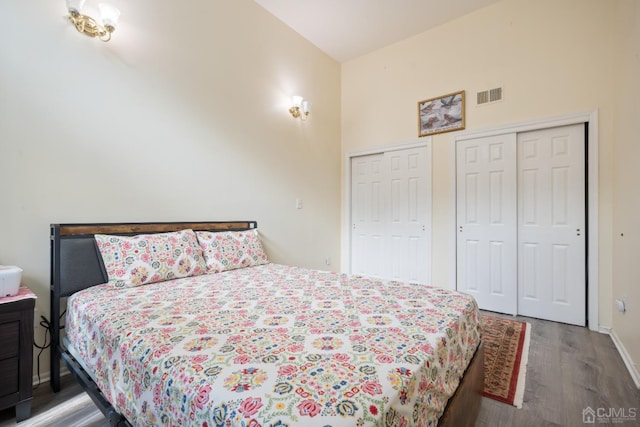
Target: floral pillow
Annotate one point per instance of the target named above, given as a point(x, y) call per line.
point(148, 258)
point(229, 250)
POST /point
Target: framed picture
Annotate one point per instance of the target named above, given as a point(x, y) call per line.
point(441, 114)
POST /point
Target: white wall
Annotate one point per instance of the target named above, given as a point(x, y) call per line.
point(551, 57)
point(182, 116)
point(626, 230)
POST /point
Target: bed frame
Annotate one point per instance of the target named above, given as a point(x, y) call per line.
point(76, 265)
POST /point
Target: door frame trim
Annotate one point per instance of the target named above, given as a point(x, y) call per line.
point(590, 117)
point(345, 258)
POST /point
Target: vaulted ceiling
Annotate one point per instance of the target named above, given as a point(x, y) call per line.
point(347, 29)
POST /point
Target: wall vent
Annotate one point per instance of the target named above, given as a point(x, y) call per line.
point(495, 94)
point(483, 97)
point(489, 95)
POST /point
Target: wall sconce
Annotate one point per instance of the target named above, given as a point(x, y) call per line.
point(300, 108)
point(89, 26)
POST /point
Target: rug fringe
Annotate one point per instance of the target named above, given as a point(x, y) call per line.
point(522, 372)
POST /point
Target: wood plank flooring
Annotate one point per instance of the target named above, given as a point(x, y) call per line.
point(570, 368)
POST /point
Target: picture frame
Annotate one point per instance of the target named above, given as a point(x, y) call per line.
point(442, 114)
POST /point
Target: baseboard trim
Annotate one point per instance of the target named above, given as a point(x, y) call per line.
point(604, 330)
point(626, 358)
point(46, 377)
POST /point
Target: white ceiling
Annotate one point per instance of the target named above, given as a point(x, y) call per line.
point(347, 29)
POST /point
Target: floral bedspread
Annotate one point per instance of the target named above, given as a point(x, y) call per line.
point(274, 345)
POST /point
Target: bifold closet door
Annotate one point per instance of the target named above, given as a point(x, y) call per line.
point(551, 224)
point(486, 218)
point(391, 215)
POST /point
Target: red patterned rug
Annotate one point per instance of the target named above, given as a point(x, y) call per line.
point(506, 346)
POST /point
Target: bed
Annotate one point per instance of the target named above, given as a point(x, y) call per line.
point(261, 345)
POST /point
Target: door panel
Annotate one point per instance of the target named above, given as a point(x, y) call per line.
point(486, 221)
point(409, 225)
point(551, 231)
point(368, 208)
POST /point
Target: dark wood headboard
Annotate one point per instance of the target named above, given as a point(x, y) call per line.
point(76, 263)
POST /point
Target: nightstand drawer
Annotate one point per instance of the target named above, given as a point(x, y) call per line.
point(8, 376)
point(10, 339)
point(16, 353)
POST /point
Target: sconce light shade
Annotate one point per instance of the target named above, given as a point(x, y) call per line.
point(75, 5)
point(300, 107)
point(297, 101)
point(110, 15)
point(306, 107)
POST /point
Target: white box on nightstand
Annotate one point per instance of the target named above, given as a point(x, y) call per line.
point(10, 277)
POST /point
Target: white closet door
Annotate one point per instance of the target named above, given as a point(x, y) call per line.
point(368, 213)
point(486, 221)
point(551, 224)
point(391, 215)
point(407, 237)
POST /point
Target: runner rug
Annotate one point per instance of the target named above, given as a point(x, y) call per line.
point(506, 346)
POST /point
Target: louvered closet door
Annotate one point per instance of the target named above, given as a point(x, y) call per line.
point(551, 224)
point(486, 221)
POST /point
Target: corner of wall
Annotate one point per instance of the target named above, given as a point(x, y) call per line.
point(626, 358)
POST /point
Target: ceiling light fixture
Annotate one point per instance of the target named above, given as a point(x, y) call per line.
point(89, 26)
point(300, 108)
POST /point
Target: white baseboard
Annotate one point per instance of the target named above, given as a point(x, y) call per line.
point(626, 358)
point(46, 377)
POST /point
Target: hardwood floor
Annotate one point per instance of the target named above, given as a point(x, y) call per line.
point(570, 368)
point(45, 400)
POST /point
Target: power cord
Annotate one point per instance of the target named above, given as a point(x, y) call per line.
point(48, 327)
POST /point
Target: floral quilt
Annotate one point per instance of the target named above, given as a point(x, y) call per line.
point(274, 345)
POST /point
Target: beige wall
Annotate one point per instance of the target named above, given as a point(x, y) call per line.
point(552, 58)
point(182, 116)
point(626, 229)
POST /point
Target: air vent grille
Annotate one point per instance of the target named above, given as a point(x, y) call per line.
point(495, 94)
point(489, 95)
point(483, 97)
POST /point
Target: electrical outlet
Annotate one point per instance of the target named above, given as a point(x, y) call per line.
point(327, 260)
point(36, 318)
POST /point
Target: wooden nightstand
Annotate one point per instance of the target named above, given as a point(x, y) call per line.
point(16, 352)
